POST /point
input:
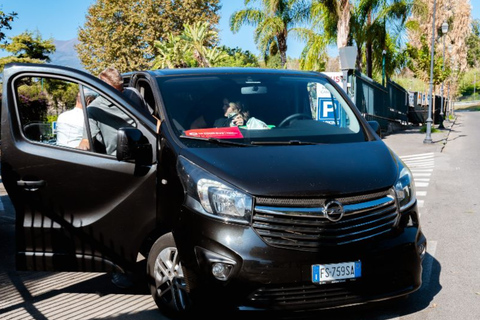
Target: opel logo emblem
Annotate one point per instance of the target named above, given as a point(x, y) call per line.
point(333, 211)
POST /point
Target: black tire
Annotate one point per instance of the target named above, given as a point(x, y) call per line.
point(166, 278)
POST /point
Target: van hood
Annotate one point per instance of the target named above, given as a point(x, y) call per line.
point(301, 171)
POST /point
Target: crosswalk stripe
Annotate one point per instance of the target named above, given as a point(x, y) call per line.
point(421, 184)
point(421, 174)
point(421, 165)
point(419, 155)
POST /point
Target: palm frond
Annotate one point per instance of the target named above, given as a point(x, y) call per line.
point(249, 17)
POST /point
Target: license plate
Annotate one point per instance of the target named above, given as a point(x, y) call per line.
point(336, 272)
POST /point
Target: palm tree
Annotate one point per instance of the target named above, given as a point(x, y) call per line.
point(364, 23)
point(374, 21)
point(171, 53)
point(198, 38)
point(215, 56)
point(314, 55)
point(334, 16)
point(273, 22)
point(194, 44)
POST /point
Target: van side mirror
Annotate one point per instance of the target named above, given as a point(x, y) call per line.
point(376, 127)
point(133, 145)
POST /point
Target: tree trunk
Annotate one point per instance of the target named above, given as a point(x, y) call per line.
point(368, 48)
point(359, 62)
point(369, 58)
point(282, 47)
point(343, 24)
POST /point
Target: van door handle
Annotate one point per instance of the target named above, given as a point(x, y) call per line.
point(31, 185)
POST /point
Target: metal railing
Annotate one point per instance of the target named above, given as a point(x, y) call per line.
point(391, 104)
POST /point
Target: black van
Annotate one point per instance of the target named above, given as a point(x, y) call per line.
point(292, 203)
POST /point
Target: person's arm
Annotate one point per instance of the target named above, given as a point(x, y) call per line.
point(84, 144)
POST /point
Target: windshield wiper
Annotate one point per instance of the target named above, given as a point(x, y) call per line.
point(217, 141)
point(283, 143)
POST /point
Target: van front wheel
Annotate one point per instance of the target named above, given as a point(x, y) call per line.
point(166, 277)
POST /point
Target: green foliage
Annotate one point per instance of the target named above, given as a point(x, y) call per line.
point(123, 33)
point(30, 45)
point(325, 15)
point(272, 21)
point(314, 55)
point(193, 48)
point(420, 63)
point(27, 47)
point(172, 54)
point(395, 59)
point(34, 108)
point(470, 82)
point(473, 44)
point(238, 58)
point(62, 93)
point(411, 84)
point(273, 62)
point(13, 59)
point(377, 26)
point(52, 118)
point(5, 20)
point(198, 39)
point(423, 129)
point(374, 26)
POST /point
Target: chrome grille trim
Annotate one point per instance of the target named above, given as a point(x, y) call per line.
point(314, 212)
point(308, 202)
point(306, 228)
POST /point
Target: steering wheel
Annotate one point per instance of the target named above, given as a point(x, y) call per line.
point(293, 117)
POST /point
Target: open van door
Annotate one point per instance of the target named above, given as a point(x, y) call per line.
point(76, 210)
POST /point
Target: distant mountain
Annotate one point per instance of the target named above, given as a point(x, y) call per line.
point(66, 55)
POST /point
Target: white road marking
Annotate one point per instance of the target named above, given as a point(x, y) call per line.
point(421, 166)
point(421, 174)
point(421, 184)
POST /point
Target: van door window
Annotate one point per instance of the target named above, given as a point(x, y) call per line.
point(52, 111)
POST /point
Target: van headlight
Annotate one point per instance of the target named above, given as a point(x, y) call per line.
point(405, 186)
point(209, 195)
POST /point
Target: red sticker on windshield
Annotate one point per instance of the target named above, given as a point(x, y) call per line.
point(219, 133)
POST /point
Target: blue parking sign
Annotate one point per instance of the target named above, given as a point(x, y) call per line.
point(328, 111)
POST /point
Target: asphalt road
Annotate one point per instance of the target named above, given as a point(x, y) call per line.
point(445, 173)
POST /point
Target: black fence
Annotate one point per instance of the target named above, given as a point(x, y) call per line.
point(392, 104)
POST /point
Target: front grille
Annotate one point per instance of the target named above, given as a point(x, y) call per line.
point(295, 297)
point(310, 296)
point(300, 224)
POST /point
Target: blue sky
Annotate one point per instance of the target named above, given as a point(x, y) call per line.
point(60, 19)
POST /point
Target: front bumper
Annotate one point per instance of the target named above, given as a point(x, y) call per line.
point(262, 277)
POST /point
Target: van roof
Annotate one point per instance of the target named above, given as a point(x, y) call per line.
point(227, 70)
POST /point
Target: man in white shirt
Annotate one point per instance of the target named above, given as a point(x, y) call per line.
point(70, 126)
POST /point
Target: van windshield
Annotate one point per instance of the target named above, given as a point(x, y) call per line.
point(258, 109)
